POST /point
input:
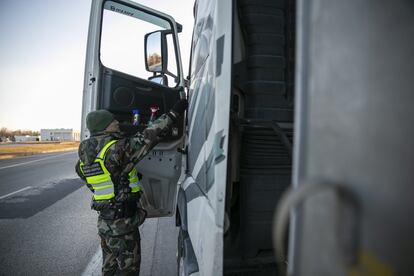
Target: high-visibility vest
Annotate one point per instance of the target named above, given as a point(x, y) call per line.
point(99, 177)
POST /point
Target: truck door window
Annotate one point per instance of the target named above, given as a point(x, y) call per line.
point(172, 61)
point(122, 40)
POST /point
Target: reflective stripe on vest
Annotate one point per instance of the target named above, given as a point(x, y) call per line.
point(100, 178)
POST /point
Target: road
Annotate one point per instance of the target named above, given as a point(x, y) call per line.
point(47, 227)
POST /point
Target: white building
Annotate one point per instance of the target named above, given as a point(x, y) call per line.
point(60, 134)
point(26, 138)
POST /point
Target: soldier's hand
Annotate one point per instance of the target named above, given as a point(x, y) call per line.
point(151, 134)
point(180, 106)
point(124, 181)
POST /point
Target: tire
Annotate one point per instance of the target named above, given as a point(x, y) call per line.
point(180, 254)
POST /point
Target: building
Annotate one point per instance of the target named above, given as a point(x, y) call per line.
point(26, 138)
point(59, 134)
point(4, 139)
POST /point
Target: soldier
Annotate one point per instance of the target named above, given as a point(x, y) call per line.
point(107, 165)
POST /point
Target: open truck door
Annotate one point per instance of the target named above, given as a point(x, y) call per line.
point(133, 63)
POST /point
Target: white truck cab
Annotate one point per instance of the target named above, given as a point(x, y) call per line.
point(235, 144)
point(351, 70)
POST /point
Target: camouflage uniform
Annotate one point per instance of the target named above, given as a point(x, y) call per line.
point(120, 239)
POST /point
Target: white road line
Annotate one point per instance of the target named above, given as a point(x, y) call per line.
point(24, 163)
point(18, 191)
point(95, 265)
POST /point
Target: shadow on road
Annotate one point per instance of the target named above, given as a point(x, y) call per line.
point(36, 199)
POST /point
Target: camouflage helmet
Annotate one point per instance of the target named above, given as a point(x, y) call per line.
point(99, 120)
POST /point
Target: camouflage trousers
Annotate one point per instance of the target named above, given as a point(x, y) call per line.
point(121, 245)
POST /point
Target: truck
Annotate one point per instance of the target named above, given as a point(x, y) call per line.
point(275, 107)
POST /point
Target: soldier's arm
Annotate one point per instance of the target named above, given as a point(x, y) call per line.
point(154, 133)
point(80, 174)
point(158, 129)
point(139, 146)
point(78, 171)
point(143, 142)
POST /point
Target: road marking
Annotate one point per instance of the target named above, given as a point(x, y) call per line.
point(18, 191)
point(24, 163)
point(95, 264)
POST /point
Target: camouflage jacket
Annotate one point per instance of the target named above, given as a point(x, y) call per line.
point(123, 155)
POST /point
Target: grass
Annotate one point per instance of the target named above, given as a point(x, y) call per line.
point(31, 148)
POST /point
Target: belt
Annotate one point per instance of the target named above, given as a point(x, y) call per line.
point(119, 210)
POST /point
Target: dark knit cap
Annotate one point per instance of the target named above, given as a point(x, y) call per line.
point(98, 120)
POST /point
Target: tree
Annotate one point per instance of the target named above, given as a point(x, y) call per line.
point(4, 131)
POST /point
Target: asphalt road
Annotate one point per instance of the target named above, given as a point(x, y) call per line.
point(47, 227)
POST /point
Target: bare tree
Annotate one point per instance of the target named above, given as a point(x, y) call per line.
point(5, 132)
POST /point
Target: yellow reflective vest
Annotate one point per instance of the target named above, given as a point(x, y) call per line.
point(100, 178)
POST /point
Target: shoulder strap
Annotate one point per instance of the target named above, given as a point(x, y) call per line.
point(103, 151)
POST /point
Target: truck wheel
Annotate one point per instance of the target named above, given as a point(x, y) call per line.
point(180, 251)
point(180, 269)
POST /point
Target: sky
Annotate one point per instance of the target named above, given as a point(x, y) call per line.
point(42, 58)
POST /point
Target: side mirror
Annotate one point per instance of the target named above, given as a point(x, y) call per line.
point(156, 52)
point(160, 79)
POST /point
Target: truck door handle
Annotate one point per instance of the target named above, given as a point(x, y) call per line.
point(293, 197)
point(92, 80)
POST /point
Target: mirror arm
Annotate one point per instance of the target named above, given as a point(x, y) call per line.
point(179, 27)
point(170, 74)
point(187, 83)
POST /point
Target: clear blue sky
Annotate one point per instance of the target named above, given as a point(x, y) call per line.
point(42, 55)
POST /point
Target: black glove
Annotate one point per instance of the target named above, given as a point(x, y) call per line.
point(100, 205)
point(151, 134)
point(180, 107)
